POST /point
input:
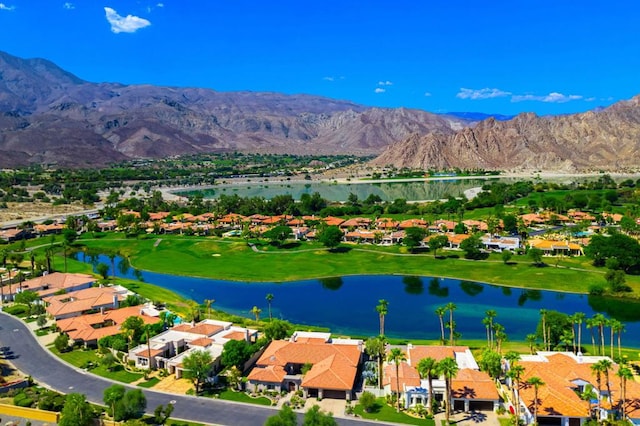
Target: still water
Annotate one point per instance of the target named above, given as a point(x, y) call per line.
point(387, 191)
point(346, 305)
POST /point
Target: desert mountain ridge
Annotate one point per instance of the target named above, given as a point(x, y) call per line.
point(50, 116)
point(600, 139)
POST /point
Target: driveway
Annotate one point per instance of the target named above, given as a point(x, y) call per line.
point(32, 359)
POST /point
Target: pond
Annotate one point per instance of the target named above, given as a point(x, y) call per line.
point(346, 305)
point(387, 191)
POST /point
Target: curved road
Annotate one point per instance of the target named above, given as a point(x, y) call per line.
point(28, 356)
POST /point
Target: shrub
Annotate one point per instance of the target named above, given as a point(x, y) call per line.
point(596, 289)
point(22, 400)
point(17, 310)
point(367, 401)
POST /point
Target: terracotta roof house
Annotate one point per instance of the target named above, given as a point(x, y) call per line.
point(88, 329)
point(411, 223)
point(475, 225)
point(48, 284)
point(13, 234)
point(472, 389)
point(169, 348)
point(565, 376)
point(554, 247)
point(53, 228)
point(333, 221)
point(84, 301)
point(334, 365)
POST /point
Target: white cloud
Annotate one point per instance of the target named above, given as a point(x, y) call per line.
point(385, 83)
point(124, 24)
point(553, 97)
point(379, 90)
point(329, 78)
point(427, 94)
point(5, 7)
point(160, 5)
point(68, 6)
point(485, 93)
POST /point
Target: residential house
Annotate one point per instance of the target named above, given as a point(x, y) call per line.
point(565, 376)
point(49, 284)
point(314, 362)
point(85, 301)
point(88, 329)
point(471, 389)
point(555, 247)
point(168, 349)
point(498, 243)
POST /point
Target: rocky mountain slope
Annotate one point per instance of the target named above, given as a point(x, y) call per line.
point(603, 139)
point(49, 116)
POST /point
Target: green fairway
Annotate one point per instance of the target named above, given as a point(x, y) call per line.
point(235, 260)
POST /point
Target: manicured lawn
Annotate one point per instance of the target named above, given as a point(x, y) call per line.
point(81, 359)
point(223, 259)
point(383, 412)
point(149, 383)
point(230, 395)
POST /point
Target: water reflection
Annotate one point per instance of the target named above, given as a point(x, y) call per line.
point(346, 305)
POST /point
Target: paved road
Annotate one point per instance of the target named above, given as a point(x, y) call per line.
point(34, 360)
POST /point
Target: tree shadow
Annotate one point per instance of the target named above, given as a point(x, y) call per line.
point(290, 245)
point(340, 250)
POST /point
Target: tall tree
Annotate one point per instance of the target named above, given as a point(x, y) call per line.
point(428, 367)
point(449, 369)
point(383, 309)
point(208, 303)
point(601, 368)
point(376, 348)
point(490, 316)
point(625, 374)
point(543, 315)
point(197, 367)
point(269, 299)
point(112, 396)
point(396, 356)
point(256, 312)
point(536, 382)
point(76, 412)
point(515, 374)
point(578, 319)
point(440, 311)
point(451, 307)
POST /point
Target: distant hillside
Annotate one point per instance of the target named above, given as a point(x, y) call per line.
point(602, 139)
point(49, 116)
point(479, 116)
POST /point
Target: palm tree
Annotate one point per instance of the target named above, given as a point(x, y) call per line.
point(427, 367)
point(543, 314)
point(613, 324)
point(515, 374)
point(578, 319)
point(531, 339)
point(440, 311)
point(376, 347)
point(618, 327)
point(600, 321)
point(599, 368)
point(536, 382)
point(397, 356)
point(624, 373)
point(449, 369)
point(383, 310)
point(490, 315)
point(256, 312)
point(269, 298)
point(451, 307)
point(591, 325)
point(208, 303)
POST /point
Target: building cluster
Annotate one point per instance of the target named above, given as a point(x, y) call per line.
point(322, 366)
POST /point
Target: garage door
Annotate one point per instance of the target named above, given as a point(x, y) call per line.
point(481, 405)
point(334, 394)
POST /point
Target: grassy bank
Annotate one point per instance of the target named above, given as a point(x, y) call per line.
point(229, 260)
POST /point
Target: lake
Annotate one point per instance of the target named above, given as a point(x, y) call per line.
point(387, 191)
point(346, 305)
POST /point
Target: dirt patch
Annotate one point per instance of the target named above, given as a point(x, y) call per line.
point(36, 210)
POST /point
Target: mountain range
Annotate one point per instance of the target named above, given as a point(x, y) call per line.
point(49, 116)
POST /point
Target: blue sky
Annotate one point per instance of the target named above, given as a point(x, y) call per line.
point(544, 56)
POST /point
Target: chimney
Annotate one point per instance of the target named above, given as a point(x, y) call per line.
point(115, 301)
point(248, 338)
